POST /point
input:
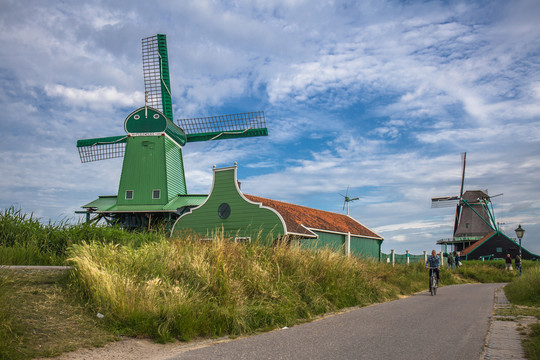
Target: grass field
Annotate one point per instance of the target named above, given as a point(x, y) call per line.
point(524, 294)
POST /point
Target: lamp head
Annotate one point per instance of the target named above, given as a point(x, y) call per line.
point(519, 232)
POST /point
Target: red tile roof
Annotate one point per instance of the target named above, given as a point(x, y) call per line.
point(299, 219)
point(473, 246)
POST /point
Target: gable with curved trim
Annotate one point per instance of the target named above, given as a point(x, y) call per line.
point(240, 218)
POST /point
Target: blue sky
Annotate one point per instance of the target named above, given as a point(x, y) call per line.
point(378, 96)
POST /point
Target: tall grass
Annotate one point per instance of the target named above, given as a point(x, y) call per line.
point(525, 289)
point(24, 240)
point(183, 288)
point(487, 271)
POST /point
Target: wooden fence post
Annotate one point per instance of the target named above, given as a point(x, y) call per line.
point(407, 253)
point(393, 255)
point(425, 256)
point(348, 245)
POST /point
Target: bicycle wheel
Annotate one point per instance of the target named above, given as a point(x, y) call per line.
point(433, 285)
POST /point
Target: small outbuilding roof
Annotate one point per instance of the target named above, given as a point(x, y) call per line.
point(301, 220)
point(476, 244)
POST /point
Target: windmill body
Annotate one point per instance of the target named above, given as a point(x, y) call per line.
point(152, 183)
point(473, 219)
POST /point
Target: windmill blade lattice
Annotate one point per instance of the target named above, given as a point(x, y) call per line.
point(445, 201)
point(156, 74)
point(224, 126)
point(101, 148)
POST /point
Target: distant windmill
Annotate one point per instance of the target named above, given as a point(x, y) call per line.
point(347, 200)
point(474, 219)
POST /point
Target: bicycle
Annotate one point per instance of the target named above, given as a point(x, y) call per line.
point(433, 281)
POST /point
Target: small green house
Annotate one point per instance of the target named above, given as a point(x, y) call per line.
point(230, 213)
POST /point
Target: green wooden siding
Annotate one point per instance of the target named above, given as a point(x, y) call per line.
point(143, 171)
point(335, 242)
point(363, 247)
point(245, 219)
point(176, 182)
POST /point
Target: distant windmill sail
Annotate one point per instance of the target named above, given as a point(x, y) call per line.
point(449, 201)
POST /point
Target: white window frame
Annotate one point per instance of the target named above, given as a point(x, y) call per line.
point(242, 239)
point(132, 194)
point(159, 193)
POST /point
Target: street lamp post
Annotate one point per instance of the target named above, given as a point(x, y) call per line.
point(519, 233)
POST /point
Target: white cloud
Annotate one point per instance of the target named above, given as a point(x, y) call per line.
point(95, 97)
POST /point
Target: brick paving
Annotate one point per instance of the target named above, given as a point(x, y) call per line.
point(503, 340)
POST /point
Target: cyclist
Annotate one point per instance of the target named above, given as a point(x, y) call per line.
point(433, 263)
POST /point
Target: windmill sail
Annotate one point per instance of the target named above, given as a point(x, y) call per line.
point(458, 206)
point(156, 74)
point(224, 126)
point(101, 148)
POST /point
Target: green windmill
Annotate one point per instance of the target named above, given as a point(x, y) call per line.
point(152, 184)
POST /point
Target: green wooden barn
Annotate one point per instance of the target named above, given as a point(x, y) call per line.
point(241, 217)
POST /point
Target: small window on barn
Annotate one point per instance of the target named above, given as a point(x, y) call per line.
point(224, 210)
point(156, 194)
point(129, 194)
point(467, 225)
point(242, 240)
point(499, 250)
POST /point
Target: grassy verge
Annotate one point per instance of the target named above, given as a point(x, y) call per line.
point(39, 316)
point(524, 294)
point(489, 271)
point(24, 240)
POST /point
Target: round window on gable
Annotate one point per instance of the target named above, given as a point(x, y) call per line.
point(224, 210)
point(156, 116)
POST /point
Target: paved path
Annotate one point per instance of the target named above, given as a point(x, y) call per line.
point(451, 325)
point(503, 341)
